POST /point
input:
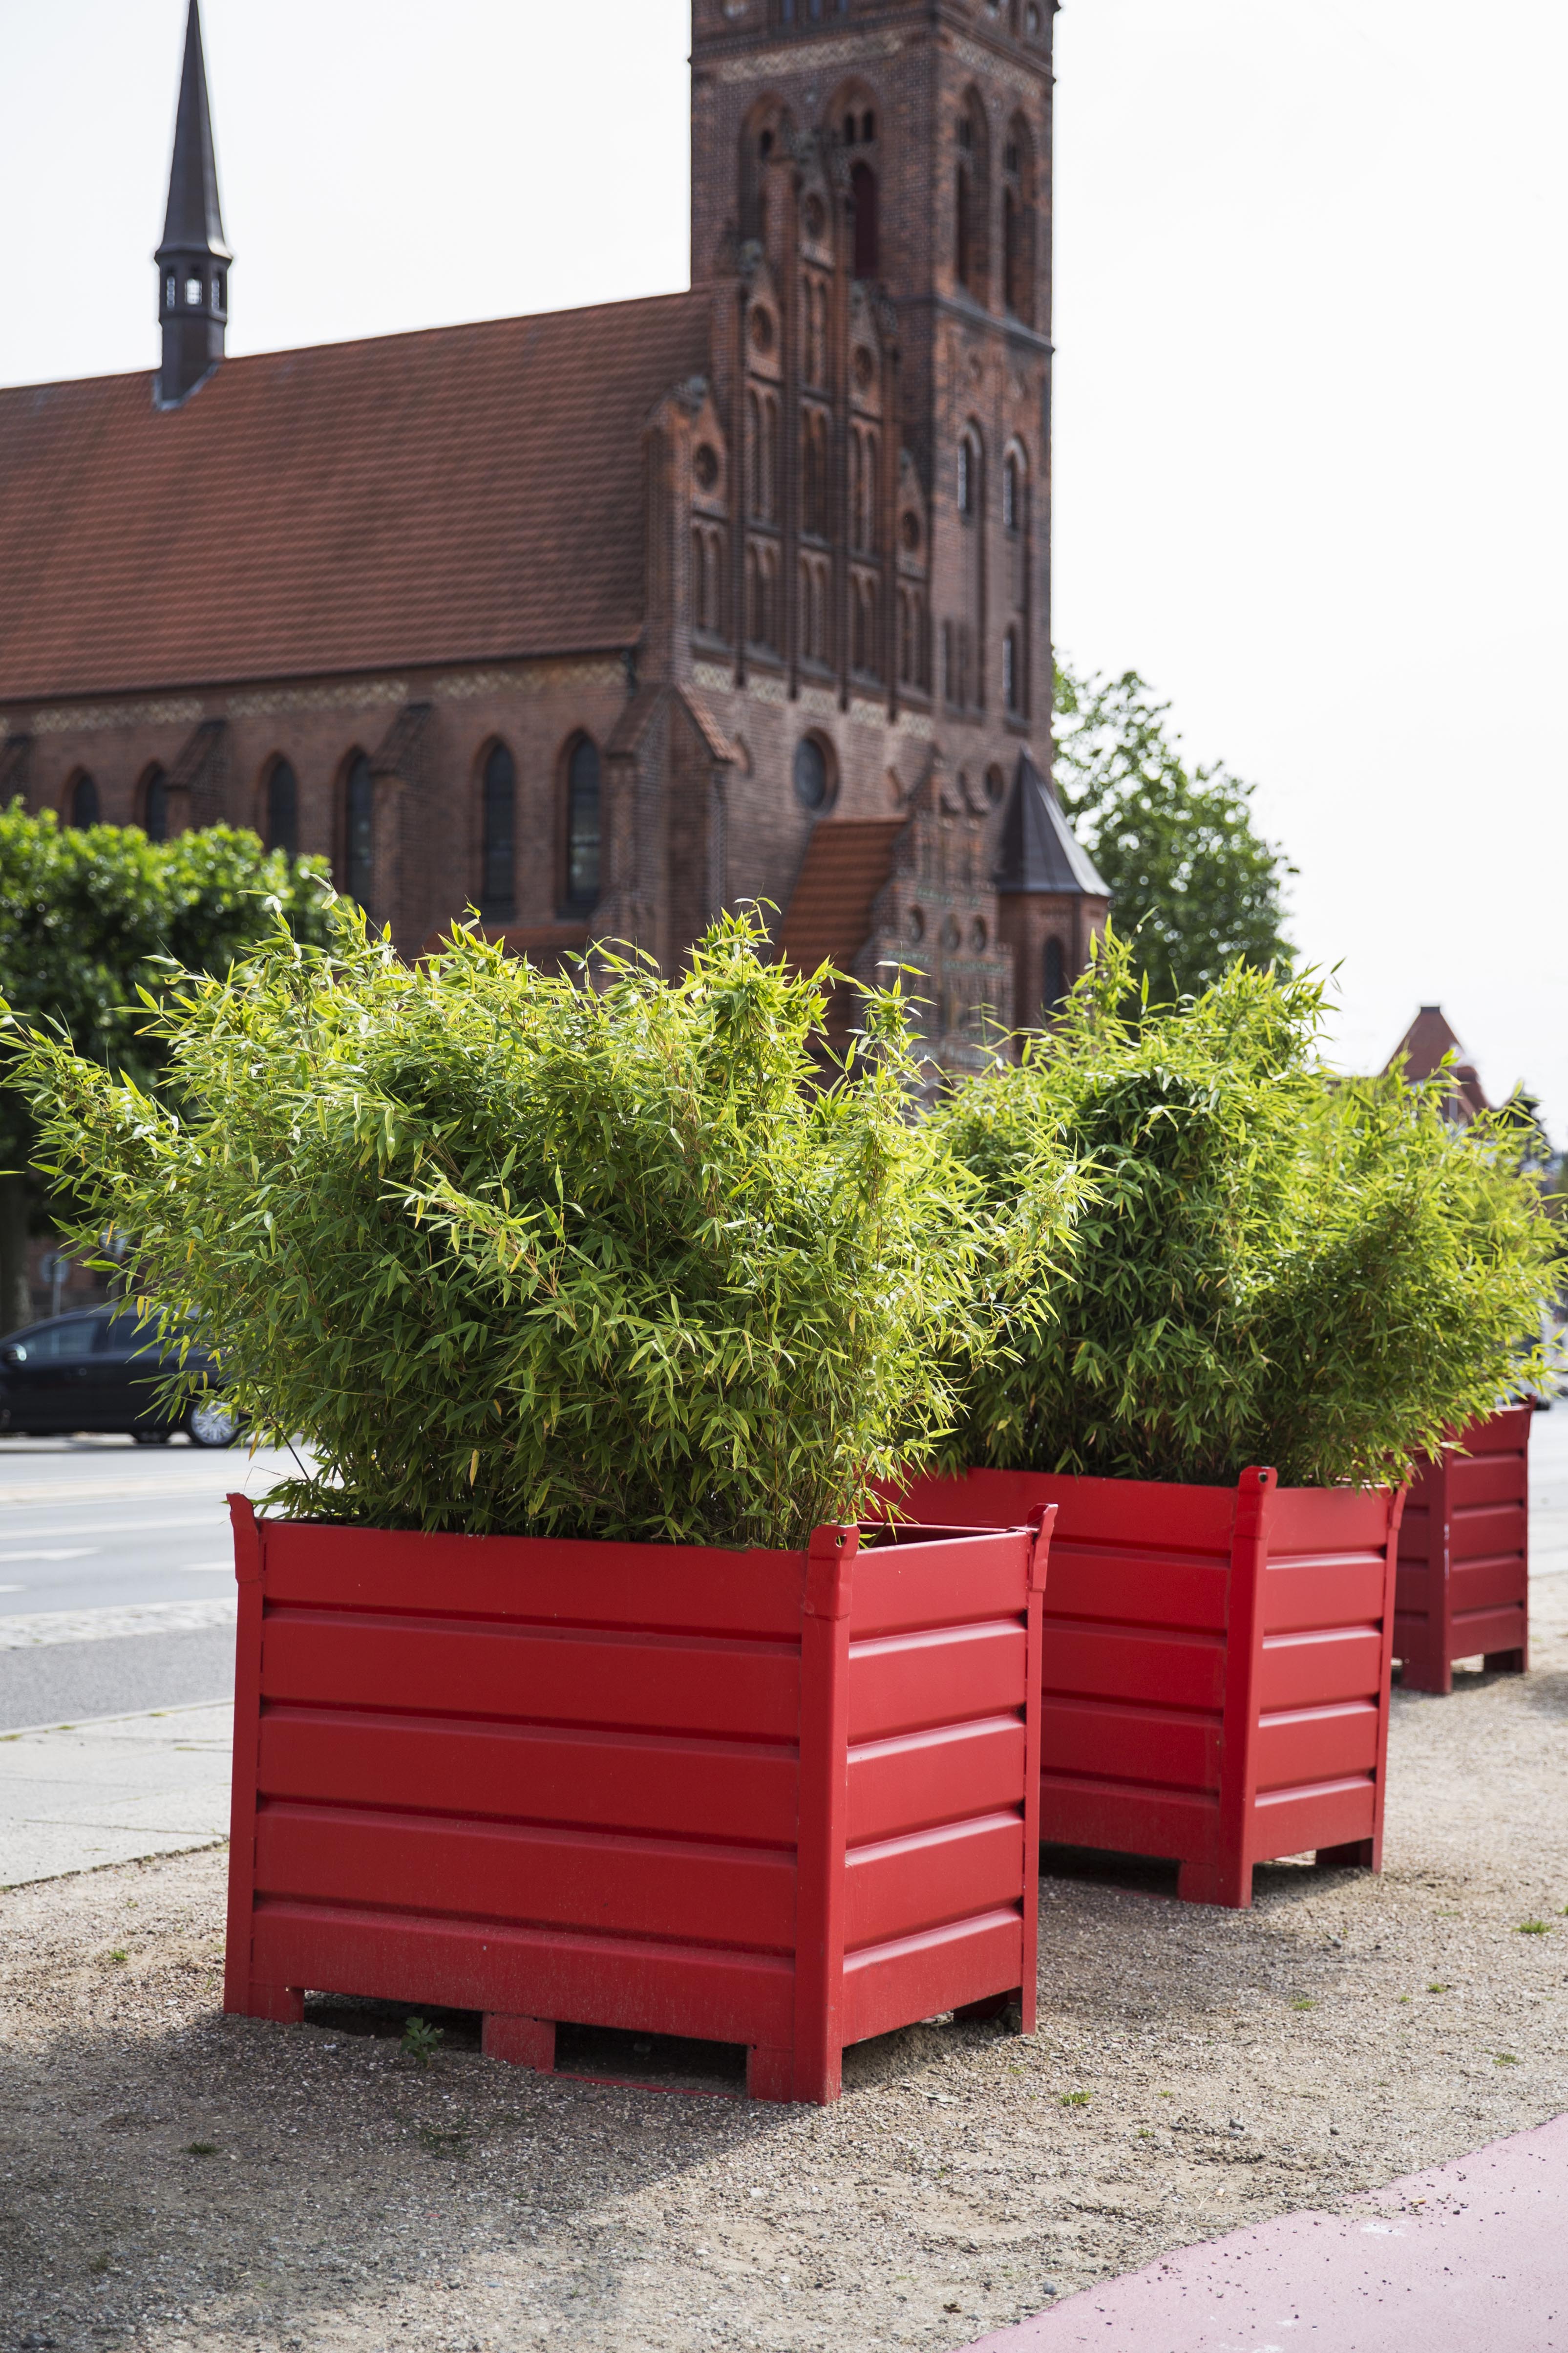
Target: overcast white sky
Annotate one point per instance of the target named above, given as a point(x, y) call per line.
point(1310, 428)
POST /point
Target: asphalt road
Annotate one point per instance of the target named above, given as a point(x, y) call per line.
point(93, 1532)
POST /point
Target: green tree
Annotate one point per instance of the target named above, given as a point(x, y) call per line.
point(84, 918)
point(1193, 882)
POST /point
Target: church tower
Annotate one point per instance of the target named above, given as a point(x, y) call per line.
point(877, 173)
point(193, 260)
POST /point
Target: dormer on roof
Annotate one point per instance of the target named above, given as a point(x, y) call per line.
point(193, 260)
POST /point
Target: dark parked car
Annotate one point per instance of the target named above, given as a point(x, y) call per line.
point(101, 1370)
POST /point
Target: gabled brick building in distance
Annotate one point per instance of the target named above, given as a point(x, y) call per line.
point(604, 620)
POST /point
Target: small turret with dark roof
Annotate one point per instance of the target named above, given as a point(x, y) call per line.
point(194, 258)
point(1050, 898)
point(1039, 850)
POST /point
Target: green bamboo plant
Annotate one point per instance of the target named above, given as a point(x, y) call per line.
point(518, 1253)
point(1269, 1266)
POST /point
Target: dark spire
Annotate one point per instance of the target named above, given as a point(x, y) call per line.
point(194, 258)
point(1039, 850)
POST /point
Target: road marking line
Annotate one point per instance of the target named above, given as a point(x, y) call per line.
point(80, 1552)
point(121, 1528)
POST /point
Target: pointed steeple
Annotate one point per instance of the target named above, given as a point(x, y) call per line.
point(194, 258)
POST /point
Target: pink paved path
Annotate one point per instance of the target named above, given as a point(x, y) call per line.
point(1481, 2267)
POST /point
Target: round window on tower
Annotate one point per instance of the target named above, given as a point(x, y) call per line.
point(812, 774)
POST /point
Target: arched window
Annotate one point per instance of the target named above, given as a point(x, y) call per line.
point(1056, 975)
point(814, 472)
point(283, 810)
point(1012, 492)
point(969, 486)
point(1012, 695)
point(1018, 222)
point(358, 829)
point(155, 805)
point(868, 225)
point(82, 804)
point(499, 880)
point(970, 198)
point(583, 826)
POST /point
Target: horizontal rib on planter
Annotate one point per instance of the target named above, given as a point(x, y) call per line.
point(1464, 1556)
point(788, 1800)
point(1216, 1666)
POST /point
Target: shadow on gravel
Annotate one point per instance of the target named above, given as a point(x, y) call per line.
point(241, 2183)
point(253, 2181)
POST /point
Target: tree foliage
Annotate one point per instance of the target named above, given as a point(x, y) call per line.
point(1270, 1267)
point(519, 1254)
point(1193, 882)
point(85, 916)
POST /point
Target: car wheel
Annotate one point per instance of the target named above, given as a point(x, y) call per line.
point(212, 1421)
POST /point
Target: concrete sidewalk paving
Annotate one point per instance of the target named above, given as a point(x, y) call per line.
point(1471, 2257)
point(85, 1795)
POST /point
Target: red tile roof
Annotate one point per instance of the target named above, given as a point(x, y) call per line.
point(847, 864)
point(468, 492)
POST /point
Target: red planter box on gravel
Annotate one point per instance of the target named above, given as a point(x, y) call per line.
point(1464, 1556)
point(1216, 1666)
point(783, 1800)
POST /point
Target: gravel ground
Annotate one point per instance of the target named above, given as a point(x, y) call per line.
point(170, 2178)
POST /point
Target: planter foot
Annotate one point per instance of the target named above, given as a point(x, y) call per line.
point(1506, 1663)
point(1227, 1884)
point(1437, 1679)
point(1361, 1854)
point(520, 2042)
point(284, 2005)
point(770, 2075)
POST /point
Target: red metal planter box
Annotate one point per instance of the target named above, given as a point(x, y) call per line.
point(1464, 1556)
point(1216, 1666)
point(785, 1800)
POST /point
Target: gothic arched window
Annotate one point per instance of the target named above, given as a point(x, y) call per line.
point(82, 804)
point(867, 225)
point(970, 198)
point(1012, 492)
point(499, 865)
point(155, 805)
point(1012, 679)
point(283, 810)
point(1018, 222)
point(1056, 975)
point(969, 486)
point(358, 829)
point(582, 834)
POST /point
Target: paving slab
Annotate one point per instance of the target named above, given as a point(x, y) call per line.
point(78, 1797)
point(1470, 2257)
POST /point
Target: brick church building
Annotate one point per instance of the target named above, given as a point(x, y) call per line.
point(602, 619)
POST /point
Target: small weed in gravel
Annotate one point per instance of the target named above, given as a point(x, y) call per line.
point(420, 2041)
